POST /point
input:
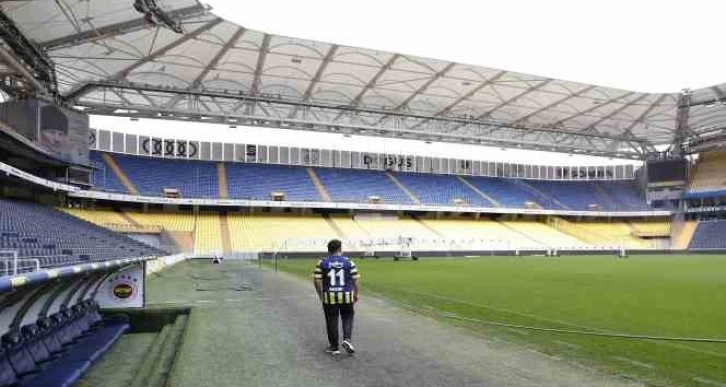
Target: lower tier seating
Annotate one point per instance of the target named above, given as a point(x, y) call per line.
point(59, 349)
point(710, 234)
point(55, 238)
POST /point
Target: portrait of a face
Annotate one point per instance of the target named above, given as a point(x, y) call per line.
point(54, 129)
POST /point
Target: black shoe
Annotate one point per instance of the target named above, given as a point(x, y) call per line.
point(333, 351)
point(348, 346)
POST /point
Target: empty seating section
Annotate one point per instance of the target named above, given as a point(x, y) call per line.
point(208, 236)
point(625, 195)
point(350, 228)
point(710, 171)
point(480, 234)
point(193, 179)
point(576, 195)
point(545, 235)
point(258, 181)
point(99, 217)
point(613, 234)
point(652, 227)
point(350, 185)
point(199, 179)
point(57, 239)
point(279, 232)
point(103, 177)
point(710, 234)
point(58, 349)
point(440, 189)
point(171, 221)
point(505, 191)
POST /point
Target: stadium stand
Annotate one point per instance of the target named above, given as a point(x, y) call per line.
point(484, 233)
point(351, 185)
point(199, 179)
point(208, 234)
point(59, 348)
point(103, 176)
point(195, 179)
point(24, 227)
point(258, 181)
point(544, 234)
point(506, 192)
point(278, 232)
point(684, 235)
point(709, 172)
point(622, 195)
point(447, 189)
point(710, 234)
point(99, 217)
point(574, 195)
point(610, 234)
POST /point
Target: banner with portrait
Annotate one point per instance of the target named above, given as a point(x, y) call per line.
point(61, 132)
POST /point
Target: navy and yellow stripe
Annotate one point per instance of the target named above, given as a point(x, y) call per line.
point(318, 273)
point(337, 298)
point(354, 270)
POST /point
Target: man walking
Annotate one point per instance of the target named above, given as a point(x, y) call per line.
point(336, 282)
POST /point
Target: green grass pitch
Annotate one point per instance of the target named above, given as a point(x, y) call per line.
point(675, 296)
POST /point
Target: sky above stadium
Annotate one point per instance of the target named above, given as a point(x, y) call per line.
point(638, 45)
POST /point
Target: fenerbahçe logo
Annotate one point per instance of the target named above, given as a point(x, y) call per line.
point(123, 291)
point(123, 287)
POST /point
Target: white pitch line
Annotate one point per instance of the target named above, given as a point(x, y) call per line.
point(709, 381)
point(518, 331)
point(634, 362)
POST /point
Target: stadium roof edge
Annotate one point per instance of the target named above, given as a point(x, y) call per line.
point(115, 60)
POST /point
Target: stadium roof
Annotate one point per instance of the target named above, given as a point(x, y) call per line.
point(113, 59)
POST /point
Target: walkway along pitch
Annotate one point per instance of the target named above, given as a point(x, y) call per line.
point(273, 335)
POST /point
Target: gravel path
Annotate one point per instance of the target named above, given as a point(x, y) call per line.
point(275, 336)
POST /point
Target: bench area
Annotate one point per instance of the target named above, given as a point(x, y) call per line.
point(59, 349)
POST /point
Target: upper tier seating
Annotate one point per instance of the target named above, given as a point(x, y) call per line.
point(710, 172)
point(258, 181)
point(509, 193)
point(352, 185)
point(710, 234)
point(199, 179)
point(193, 179)
point(103, 177)
point(624, 195)
point(447, 189)
point(59, 239)
point(575, 195)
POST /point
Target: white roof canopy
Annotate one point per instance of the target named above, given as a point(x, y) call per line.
point(111, 60)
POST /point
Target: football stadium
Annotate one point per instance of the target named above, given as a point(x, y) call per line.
point(172, 180)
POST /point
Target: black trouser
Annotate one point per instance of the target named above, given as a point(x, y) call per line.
point(332, 313)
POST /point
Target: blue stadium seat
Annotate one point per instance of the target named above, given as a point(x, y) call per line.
point(80, 337)
point(256, 181)
point(24, 227)
point(710, 234)
point(353, 185)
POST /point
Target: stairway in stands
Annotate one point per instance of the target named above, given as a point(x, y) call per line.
point(338, 231)
point(478, 191)
point(111, 163)
point(222, 181)
point(224, 233)
point(685, 235)
point(322, 191)
point(403, 188)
